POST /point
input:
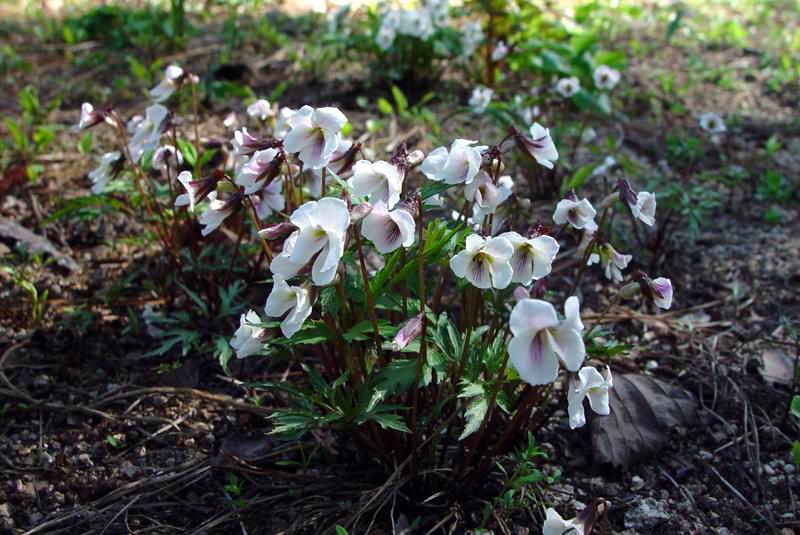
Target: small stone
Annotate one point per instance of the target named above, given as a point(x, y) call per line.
point(789, 468)
point(25, 489)
point(650, 365)
point(705, 455)
point(128, 470)
point(85, 460)
point(768, 470)
point(646, 514)
point(637, 483)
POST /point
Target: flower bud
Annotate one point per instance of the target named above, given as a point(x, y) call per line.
point(539, 288)
point(410, 204)
point(520, 293)
point(277, 231)
point(626, 193)
point(344, 162)
point(657, 291)
point(90, 117)
point(408, 332)
point(360, 211)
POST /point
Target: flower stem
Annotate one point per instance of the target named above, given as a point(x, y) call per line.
point(368, 293)
point(196, 129)
point(423, 344)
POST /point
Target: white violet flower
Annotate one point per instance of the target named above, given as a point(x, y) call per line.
point(380, 181)
point(611, 261)
point(172, 79)
point(605, 77)
point(314, 134)
point(321, 231)
point(712, 123)
point(538, 146)
point(567, 87)
point(261, 167)
point(260, 109)
point(148, 131)
point(645, 208)
point(217, 212)
point(540, 339)
point(500, 51)
point(247, 338)
point(485, 262)
point(458, 165)
point(588, 383)
point(480, 99)
point(579, 214)
point(388, 230)
point(485, 195)
point(292, 301)
point(270, 199)
point(104, 172)
point(532, 258)
point(554, 524)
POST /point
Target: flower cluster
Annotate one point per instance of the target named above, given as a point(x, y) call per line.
point(350, 242)
point(420, 23)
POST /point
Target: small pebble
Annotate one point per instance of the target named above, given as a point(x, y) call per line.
point(637, 483)
point(768, 470)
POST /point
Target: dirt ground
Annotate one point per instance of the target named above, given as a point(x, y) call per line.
point(96, 437)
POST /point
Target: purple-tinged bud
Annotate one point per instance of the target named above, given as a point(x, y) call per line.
point(570, 195)
point(657, 291)
point(410, 204)
point(408, 332)
point(343, 162)
point(90, 117)
point(245, 144)
point(277, 231)
point(212, 142)
point(537, 230)
point(539, 288)
point(360, 211)
point(196, 190)
point(520, 293)
point(539, 145)
point(626, 193)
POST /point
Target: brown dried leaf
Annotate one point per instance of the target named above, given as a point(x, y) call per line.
point(643, 412)
point(36, 243)
point(778, 366)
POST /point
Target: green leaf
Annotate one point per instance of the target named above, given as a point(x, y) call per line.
point(429, 190)
point(796, 453)
point(188, 151)
point(475, 413)
point(340, 530)
point(20, 140)
point(390, 421)
point(384, 106)
point(43, 136)
point(400, 100)
point(398, 376)
point(363, 330)
point(85, 144)
point(578, 179)
point(223, 353)
point(796, 406)
point(138, 70)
